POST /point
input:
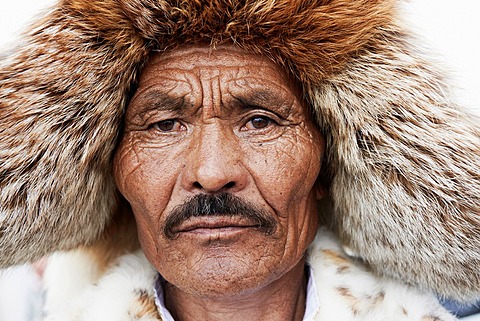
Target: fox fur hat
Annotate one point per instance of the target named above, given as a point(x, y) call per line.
point(403, 160)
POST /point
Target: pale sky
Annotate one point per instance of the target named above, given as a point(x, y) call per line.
point(450, 28)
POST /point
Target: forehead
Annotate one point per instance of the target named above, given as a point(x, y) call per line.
point(226, 77)
point(226, 61)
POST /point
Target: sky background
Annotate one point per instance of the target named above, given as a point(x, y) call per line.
point(450, 28)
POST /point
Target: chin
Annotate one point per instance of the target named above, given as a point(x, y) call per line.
point(224, 275)
point(228, 284)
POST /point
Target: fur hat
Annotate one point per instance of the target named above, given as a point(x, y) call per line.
point(402, 165)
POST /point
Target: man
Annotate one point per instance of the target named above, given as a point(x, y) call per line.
point(222, 124)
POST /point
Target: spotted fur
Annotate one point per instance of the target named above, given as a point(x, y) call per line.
point(125, 291)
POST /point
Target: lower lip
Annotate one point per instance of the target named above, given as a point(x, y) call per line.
point(217, 233)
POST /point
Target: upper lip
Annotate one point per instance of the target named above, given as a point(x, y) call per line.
point(212, 222)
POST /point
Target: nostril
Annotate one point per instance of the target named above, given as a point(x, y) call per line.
point(229, 185)
point(199, 186)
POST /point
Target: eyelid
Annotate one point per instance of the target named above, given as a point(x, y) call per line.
point(264, 112)
point(182, 127)
point(156, 115)
point(143, 120)
point(269, 119)
point(274, 120)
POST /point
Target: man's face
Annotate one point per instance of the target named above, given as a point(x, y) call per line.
point(219, 161)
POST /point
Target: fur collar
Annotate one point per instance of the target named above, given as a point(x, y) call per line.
point(347, 291)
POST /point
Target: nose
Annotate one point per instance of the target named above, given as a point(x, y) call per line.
point(214, 163)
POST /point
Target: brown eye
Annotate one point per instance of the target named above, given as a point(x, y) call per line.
point(259, 122)
point(167, 125)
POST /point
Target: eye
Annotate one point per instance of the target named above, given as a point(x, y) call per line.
point(167, 125)
point(259, 122)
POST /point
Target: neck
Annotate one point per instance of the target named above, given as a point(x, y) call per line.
point(282, 299)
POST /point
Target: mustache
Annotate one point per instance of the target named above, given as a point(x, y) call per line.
point(221, 205)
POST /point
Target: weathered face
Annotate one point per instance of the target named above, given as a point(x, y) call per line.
point(219, 161)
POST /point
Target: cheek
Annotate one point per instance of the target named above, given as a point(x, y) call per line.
point(285, 173)
point(145, 177)
point(137, 171)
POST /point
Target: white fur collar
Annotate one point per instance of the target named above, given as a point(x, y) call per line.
point(347, 291)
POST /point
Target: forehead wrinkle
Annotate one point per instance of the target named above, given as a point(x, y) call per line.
point(203, 59)
point(280, 84)
point(170, 79)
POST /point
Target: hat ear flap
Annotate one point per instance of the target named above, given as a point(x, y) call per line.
point(404, 168)
point(62, 96)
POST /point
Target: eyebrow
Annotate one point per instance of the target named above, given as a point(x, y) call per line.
point(265, 99)
point(158, 100)
point(262, 96)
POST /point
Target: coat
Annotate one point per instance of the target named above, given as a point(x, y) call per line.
point(402, 157)
point(346, 290)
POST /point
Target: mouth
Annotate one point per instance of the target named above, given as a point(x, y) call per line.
point(214, 225)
